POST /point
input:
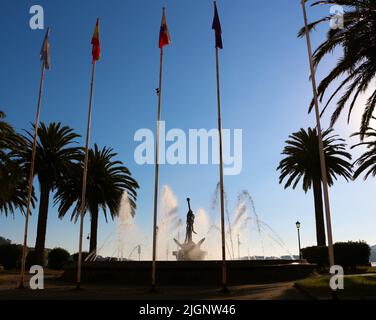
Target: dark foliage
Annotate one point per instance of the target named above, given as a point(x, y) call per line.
point(346, 254)
point(10, 256)
point(58, 258)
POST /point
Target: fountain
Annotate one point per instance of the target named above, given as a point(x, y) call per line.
point(189, 251)
point(193, 266)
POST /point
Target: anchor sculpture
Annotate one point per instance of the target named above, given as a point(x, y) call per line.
point(189, 251)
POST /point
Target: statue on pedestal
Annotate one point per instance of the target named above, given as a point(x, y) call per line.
point(189, 250)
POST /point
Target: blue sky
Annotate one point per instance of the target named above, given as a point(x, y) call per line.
point(265, 92)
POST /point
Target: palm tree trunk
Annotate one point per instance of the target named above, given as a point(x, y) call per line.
point(319, 212)
point(94, 229)
point(42, 223)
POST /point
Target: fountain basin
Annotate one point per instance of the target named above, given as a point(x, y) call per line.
point(192, 272)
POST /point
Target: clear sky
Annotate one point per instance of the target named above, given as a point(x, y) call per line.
point(265, 92)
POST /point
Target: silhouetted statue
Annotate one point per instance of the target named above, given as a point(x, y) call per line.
point(190, 223)
point(189, 251)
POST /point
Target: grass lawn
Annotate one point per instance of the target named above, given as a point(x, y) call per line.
point(356, 287)
point(371, 270)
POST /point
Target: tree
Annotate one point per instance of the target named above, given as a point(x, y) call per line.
point(367, 162)
point(357, 65)
point(13, 176)
point(55, 155)
point(302, 162)
point(107, 180)
point(58, 258)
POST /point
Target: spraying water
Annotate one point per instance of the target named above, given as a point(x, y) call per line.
point(125, 225)
point(246, 235)
point(124, 238)
point(245, 225)
point(168, 225)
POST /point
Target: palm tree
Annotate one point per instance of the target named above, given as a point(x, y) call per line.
point(8, 137)
point(55, 155)
point(367, 162)
point(13, 182)
point(302, 162)
point(106, 182)
point(357, 65)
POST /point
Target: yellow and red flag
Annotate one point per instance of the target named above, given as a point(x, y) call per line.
point(45, 51)
point(164, 35)
point(96, 52)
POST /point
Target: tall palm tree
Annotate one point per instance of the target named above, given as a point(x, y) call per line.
point(13, 181)
point(356, 68)
point(55, 154)
point(367, 162)
point(106, 181)
point(302, 162)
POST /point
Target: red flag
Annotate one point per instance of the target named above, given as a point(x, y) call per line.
point(96, 52)
point(164, 35)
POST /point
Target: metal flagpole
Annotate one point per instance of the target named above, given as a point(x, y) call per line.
point(223, 233)
point(321, 144)
point(84, 179)
point(153, 281)
point(31, 177)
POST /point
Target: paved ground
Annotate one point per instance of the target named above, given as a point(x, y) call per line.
point(57, 290)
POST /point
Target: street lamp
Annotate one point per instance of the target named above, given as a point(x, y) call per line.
point(298, 228)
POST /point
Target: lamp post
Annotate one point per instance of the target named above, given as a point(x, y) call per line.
point(298, 228)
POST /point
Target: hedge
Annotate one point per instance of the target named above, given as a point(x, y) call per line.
point(10, 256)
point(58, 258)
point(31, 259)
point(346, 254)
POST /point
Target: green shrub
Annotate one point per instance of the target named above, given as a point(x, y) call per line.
point(352, 254)
point(346, 254)
point(317, 255)
point(58, 258)
point(31, 259)
point(84, 256)
point(10, 256)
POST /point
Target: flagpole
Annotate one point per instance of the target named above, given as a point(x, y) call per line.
point(223, 233)
point(321, 144)
point(84, 179)
point(31, 178)
point(153, 277)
